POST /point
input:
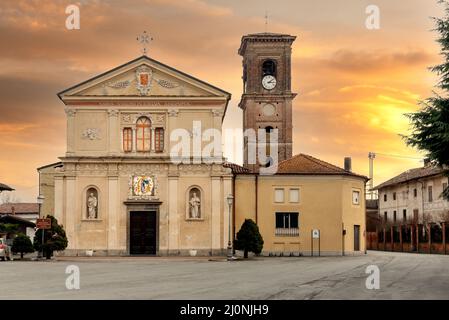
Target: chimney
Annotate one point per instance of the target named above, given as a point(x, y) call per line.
point(427, 162)
point(348, 164)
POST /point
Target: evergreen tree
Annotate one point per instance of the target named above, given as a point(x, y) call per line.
point(430, 125)
point(249, 238)
point(8, 228)
point(55, 238)
point(22, 243)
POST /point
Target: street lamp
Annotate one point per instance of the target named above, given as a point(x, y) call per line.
point(230, 199)
point(40, 201)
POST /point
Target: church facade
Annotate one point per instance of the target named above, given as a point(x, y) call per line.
point(130, 184)
point(119, 192)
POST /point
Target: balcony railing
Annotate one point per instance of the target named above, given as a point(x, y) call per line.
point(287, 232)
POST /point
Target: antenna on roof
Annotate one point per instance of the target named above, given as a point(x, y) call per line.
point(371, 157)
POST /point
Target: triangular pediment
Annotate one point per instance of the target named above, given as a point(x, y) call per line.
point(146, 78)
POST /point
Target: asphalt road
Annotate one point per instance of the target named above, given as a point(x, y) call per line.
point(402, 276)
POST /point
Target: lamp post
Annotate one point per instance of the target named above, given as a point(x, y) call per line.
point(40, 201)
point(230, 199)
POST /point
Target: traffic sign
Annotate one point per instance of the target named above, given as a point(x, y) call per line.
point(43, 223)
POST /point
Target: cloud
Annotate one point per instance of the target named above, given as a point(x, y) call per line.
point(353, 85)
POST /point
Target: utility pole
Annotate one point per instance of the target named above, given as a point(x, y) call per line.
point(371, 157)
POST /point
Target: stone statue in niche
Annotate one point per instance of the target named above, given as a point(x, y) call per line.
point(92, 205)
point(195, 204)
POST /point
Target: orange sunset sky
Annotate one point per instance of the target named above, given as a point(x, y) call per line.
point(353, 84)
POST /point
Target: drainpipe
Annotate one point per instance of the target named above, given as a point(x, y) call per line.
point(256, 181)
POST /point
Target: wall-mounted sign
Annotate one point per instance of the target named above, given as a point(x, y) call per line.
point(315, 234)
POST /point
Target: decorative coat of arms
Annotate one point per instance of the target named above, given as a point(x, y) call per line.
point(143, 185)
point(144, 77)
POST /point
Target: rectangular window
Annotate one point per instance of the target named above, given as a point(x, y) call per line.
point(444, 186)
point(404, 215)
point(415, 215)
point(385, 216)
point(159, 139)
point(356, 197)
point(127, 139)
point(278, 195)
point(286, 220)
point(415, 192)
point(287, 224)
point(394, 195)
point(294, 195)
point(394, 216)
point(385, 197)
point(430, 195)
point(404, 195)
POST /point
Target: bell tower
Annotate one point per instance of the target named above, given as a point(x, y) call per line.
point(267, 98)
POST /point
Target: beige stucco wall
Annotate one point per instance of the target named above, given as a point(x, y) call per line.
point(100, 162)
point(325, 204)
point(47, 188)
point(352, 213)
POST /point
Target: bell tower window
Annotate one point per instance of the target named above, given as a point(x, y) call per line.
point(269, 68)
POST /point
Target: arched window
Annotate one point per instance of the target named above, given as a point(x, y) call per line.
point(268, 131)
point(159, 139)
point(92, 203)
point(143, 134)
point(127, 139)
point(269, 68)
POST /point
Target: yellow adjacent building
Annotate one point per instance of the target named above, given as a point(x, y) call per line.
point(305, 194)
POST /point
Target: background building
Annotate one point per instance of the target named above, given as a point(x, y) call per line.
point(414, 196)
point(21, 213)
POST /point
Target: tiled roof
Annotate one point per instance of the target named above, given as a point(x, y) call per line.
point(19, 208)
point(305, 164)
point(4, 187)
point(236, 168)
point(412, 174)
point(7, 218)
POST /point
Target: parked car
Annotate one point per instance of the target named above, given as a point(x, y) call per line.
point(5, 250)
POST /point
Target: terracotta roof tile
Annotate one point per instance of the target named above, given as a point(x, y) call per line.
point(412, 174)
point(236, 168)
point(305, 164)
point(4, 187)
point(19, 208)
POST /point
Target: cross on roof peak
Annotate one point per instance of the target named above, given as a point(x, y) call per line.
point(144, 39)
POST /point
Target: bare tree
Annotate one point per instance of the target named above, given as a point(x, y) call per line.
point(8, 197)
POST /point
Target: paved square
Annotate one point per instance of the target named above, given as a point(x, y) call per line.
point(402, 276)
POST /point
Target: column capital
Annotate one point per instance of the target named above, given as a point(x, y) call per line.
point(217, 112)
point(70, 112)
point(113, 112)
point(173, 112)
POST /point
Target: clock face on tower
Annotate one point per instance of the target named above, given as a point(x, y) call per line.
point(269, 82)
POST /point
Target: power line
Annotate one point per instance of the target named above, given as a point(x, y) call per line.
point(398, 156)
